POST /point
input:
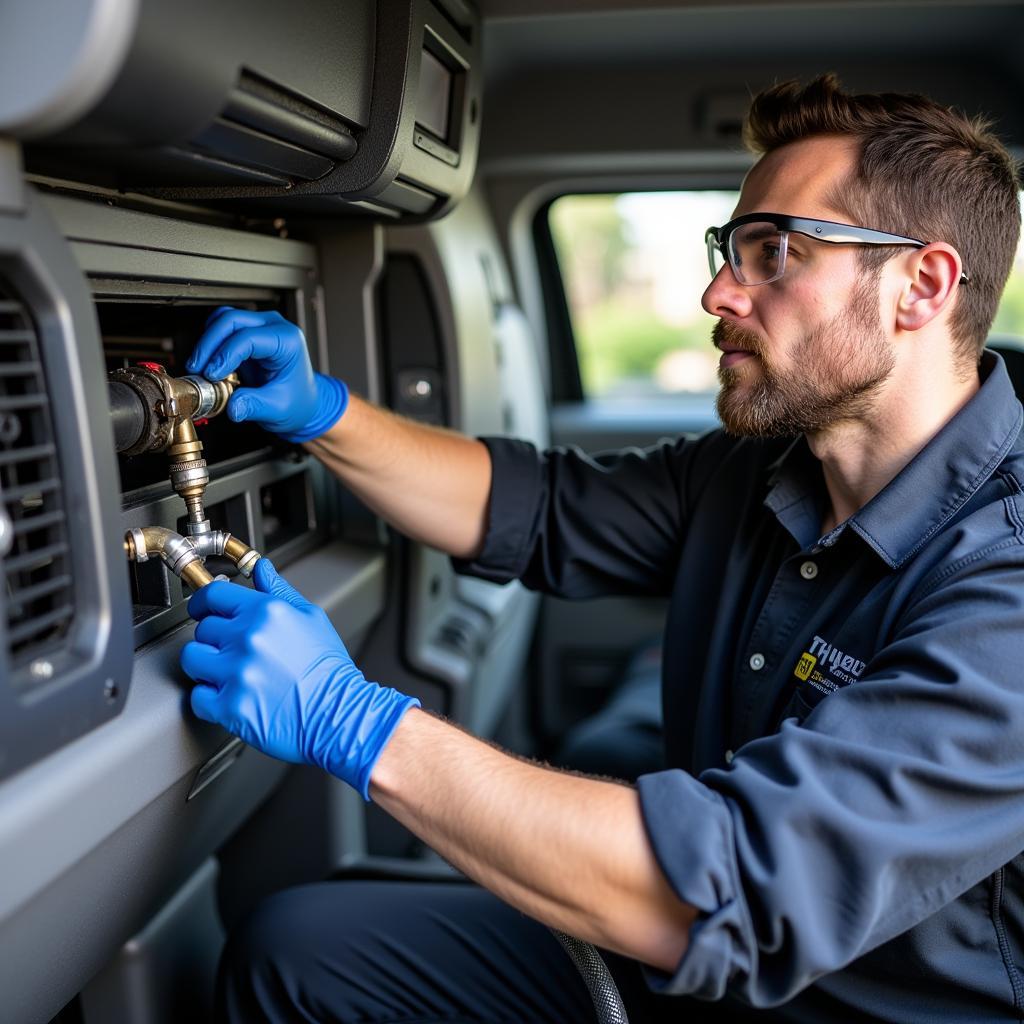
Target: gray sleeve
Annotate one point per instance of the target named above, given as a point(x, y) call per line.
point(894, 796)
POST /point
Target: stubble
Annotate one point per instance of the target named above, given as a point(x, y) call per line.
point(834, 373)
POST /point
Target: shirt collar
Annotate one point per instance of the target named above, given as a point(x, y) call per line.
point(796, 492)
point(929, 490)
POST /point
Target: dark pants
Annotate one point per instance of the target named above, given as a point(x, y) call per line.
point(408, 951)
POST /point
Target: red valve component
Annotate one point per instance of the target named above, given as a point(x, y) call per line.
point(201, 422)
point(155, 367)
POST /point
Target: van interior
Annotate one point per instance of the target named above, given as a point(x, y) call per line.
point(485, 215)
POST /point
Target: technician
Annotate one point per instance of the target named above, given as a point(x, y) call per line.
point(838, 836)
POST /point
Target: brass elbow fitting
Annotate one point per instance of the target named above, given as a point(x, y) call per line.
point(162, 411)
point(184, 556)
point(175, 551)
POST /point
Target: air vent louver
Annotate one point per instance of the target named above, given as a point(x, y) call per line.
point(34, 545)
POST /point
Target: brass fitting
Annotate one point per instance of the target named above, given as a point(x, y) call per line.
point(189, 473)
point(170, 407)
point(166, 402)
point(184, 556)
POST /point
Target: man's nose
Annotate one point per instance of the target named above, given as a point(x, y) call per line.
point(726, 297)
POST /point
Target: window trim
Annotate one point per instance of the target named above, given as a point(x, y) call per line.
point(566, 380)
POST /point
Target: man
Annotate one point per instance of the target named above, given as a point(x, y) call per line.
point(839, 834)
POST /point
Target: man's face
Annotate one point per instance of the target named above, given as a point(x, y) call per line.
point(806, 351)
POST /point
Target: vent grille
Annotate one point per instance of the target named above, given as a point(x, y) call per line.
point(34, 545)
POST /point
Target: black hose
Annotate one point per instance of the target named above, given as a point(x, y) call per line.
point(602, 988)
point(127, 414)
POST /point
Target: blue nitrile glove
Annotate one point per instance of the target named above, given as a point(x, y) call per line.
point(271, 669)
point(285, 396)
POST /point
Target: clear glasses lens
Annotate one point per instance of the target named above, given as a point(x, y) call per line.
point(757, 252)
point(716, 260)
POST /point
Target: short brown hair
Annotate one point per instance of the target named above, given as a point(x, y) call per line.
point(925, 170)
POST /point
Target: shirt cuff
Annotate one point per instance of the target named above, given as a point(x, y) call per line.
point(516, 482)
point(691, 831)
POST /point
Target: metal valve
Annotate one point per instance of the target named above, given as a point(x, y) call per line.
point(155, 412)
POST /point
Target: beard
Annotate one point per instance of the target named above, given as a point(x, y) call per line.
point(835, 373)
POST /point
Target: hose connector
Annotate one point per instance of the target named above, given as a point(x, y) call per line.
point(185, 556)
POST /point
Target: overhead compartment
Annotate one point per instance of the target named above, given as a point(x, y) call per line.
point(330, 107)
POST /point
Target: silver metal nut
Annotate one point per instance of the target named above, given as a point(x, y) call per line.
point(189, 477)
point(41, 669)
point(248, 562)
point(138, 539)
point(178, 553)
point(207, 395)
point(211, 543)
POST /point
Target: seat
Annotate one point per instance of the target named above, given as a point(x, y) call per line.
point(1012, 351)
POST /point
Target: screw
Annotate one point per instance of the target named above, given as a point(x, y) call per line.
point(10, 428)
point(6, 532)
point(110, 690)
point(41, 669)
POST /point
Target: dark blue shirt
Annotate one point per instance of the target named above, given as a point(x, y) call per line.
point(844, 714)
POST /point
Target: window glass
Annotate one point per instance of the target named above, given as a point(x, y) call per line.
point(1010, 316)
point(634, 267)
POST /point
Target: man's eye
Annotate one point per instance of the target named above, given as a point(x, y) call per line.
point(770, 252)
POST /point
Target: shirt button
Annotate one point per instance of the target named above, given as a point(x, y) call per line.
point(728, 757)
point(809, 570)
point(757, 662)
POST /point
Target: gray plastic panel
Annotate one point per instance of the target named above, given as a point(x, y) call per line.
point(161, 115)
point(494, 388)
point(95, 222)
point(93, 663)
point(58, 58)
point(185, 58)
point(95, 837)
point(165, 974)
point(12, 187)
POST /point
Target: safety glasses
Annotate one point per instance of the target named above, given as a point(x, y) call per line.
point(756, 244)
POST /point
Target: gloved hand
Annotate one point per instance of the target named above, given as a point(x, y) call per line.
point(271, 669)
point(289, 399)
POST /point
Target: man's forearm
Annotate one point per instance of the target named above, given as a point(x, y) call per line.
point(570, 851)
point(431, 484)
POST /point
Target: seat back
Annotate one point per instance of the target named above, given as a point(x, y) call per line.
point(1012, 351)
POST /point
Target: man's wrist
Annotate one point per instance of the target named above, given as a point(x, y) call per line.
point(332, 399)
point(392, 765)
point(384, 733)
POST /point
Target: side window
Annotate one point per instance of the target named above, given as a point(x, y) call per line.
point(634, 267)
point(1009, 321)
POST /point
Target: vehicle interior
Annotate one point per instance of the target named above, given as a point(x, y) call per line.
point(485, 215)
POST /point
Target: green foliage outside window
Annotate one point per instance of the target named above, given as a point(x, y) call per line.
point(634, 291)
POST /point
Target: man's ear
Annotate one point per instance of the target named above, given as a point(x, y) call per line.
point(931, 282)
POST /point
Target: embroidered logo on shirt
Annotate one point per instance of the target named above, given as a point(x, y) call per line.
point(826, 667)
point(804, 665)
